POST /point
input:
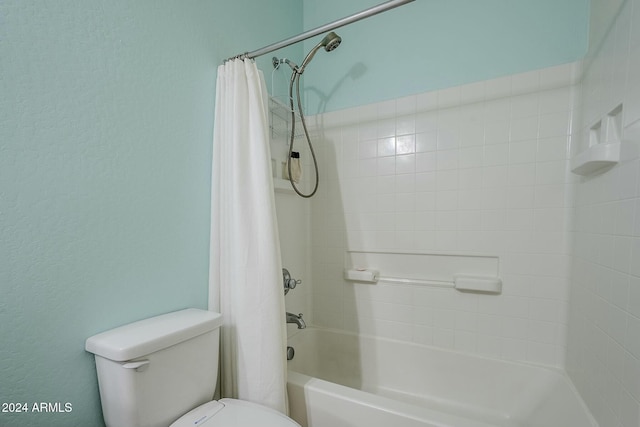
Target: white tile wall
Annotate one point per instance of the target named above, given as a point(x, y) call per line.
point(483, 169)
point(293, 212)
point(603, 338)
point(294, 224)
point(477, 169)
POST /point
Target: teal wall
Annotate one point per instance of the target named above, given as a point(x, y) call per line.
point(434, 44)
point(106, 118)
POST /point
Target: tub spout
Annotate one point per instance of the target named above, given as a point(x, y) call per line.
point(297, 319)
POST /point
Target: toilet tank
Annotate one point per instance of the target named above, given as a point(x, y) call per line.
point(153, 371)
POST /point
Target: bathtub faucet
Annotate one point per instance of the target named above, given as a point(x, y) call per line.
point(297, 319)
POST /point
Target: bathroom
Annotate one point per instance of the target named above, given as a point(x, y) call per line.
point(105, 158)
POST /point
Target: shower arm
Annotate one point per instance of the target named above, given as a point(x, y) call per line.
point(383, 7)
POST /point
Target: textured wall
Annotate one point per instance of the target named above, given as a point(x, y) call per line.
point(435, 44)
point(106, 118)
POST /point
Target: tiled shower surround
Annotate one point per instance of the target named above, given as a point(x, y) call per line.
point(480, 169)
point(484, 169)
point(603, 337)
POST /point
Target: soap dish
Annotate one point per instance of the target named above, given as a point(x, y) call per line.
point(604, 139)
point(595, 158)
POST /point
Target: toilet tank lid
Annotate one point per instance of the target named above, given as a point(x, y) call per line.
point(150, 335)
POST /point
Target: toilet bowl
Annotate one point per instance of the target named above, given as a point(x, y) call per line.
point(233, 412)
point(162, 372)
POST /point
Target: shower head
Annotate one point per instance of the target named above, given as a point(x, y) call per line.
point(330, 42)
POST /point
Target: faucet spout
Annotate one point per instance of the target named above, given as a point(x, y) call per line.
point(297, 319)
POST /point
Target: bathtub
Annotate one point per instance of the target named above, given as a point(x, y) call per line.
point(338, 379)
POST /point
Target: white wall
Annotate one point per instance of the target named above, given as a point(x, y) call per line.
point(479, 169)
point(604, 324)
point(293, 212)
point(294, 224)
point(601, 14)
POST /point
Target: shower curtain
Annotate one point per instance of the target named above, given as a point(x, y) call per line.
point(245, 276)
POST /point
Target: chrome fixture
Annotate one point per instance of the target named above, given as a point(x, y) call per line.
point(288, 281)
point(276, 63)
point(297, 319)
point(330, 42)
point(290, 352)
point(383, 7)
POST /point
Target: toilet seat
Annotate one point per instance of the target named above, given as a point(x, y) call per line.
point(233, 413)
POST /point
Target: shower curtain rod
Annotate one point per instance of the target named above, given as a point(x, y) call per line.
point(383, 7)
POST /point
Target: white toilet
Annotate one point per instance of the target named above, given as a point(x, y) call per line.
point(162, 372)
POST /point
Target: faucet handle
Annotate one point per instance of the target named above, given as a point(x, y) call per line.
point(291, 283)
point(288, 281)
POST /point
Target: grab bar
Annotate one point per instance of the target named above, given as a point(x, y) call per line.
point(418, 282)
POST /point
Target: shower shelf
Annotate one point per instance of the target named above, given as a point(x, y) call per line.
point(603, 139)
point(282, 186)
point(280, 119)
point(596, 158)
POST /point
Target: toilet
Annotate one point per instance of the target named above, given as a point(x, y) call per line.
point(162, 372)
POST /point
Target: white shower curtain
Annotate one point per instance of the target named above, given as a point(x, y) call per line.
point(245, 276)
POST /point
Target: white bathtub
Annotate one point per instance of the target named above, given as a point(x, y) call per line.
point(344, 380)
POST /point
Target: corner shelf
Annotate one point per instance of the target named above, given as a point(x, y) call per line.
point(595, 158)
point(605, 138)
